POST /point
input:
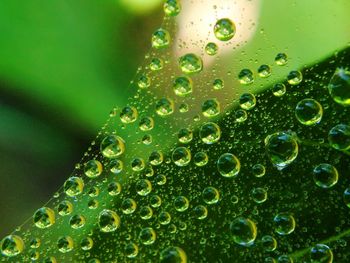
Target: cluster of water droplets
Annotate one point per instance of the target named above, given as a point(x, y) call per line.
point(178, 175)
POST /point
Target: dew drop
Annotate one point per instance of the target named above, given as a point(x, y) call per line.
point(211, 49)
point(339, 87)
point(325, 175)
point(73, 186)
point(282, 149)
point(339, 137)
point(93, 168)
point(244, 231)
point(44, 217)
point(284, 223)
point(65, 244)
point(164, 107)
point(173, 255)
point(246, 76)
point(228, 165)
point(181, 156)
point(309, 112)
point(183, 86)
point(224, 29)
point(294, 77)
point(210, 133)
point(112, 146)
point(190, 63)
point(11, 245)
point(160, 38)
point(108, 221)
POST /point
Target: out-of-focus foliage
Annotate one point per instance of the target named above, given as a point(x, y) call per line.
point(63, 65)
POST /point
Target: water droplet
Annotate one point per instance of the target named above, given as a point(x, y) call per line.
point(93, 168)
point(244, 231)
point(172, 7)
point(210, 195)
point(108, 221)
point(309, 112)
point(241, 115)
point(173, 255)
point(190, 63)
point(94, 191)
point(34, 255)
point(264, 71)
point(156, 158)
point(281, 59)
point(146, 124)
point(228, 165)
point(131, 250)
point(279, 89)
point(50, 260)
point(35, 243)
point(182, 86)
point(164, 218)
point(64, 208)
point(65, 244)
point(128, 206)
point(210, 133)
point(269, 243)
point(211, 49)
point(128, 114)
point(160, 38)
point(156, 64)
point(183, 108)
point(44, 217)
point(185, 135)
point(147, 236)
point(218, 84)
point(224, 29)
point(211, 108)
point(325, 175)
point(77, 221)
point(137, 164)
point(200, 212)
point(247, 101)
point(114, 189)
point(282, 149)
point(164, 107)
point(143, 187)
point(86, 243)
point(246, 77)
point(284, 223)
point(339, 137)
point(339, 87)
point(73, 186)
point(259, 195)
point(294, 77)
point(147, 139)
point(116, 166)
point(285, 259)
point(155, 201)
point(146, 212)
point(346, 197)
point(144, 82)
point(112, 146)
point(181, 156)
point(11, 245)
point(200, 159)
point(258, 170)
point(92, 204)
point(181, 203)
point(321, 253)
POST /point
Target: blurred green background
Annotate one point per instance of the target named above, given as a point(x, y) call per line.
point(63, 66)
